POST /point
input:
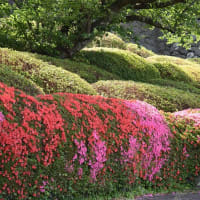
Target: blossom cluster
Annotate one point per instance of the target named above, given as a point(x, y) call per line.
point(153, 127)
point(183, 163)
point(191, 114)
point(62, 143)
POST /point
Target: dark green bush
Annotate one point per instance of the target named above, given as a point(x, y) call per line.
point(49, 77)
point(126, 65)
point(164, 98)
point(18, 81)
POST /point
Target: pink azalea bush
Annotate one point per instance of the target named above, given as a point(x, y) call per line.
point(191, 114)
point(155, 141)
point(66, 145)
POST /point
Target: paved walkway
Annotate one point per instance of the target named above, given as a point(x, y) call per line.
point(173, 196)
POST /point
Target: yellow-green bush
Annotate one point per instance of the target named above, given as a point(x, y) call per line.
point(192, 69)
point(139, 50)
point(51, 78)
point(111, 40)
point(164, 98)
point(172, 72)
point(18, 81)
point(90, 73)
point(126, 65)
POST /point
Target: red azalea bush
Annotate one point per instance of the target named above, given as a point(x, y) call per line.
point(63, 145)
point(184, 161)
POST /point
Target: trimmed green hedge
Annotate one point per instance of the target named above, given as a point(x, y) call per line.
point(139, 50)
point(162, 97)
point(191, 69)
point(172, 72)
point(90, 73)
point(188, 87)
point(111, 40)
point(126, 65)
point(49, 77)
point(18, 81)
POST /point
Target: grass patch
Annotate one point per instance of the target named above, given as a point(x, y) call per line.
point(126, 65)
point(162, 97)
point(49, 77)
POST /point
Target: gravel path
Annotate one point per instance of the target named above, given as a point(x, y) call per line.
point(173, 196)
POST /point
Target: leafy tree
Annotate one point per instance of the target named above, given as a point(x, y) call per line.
point(63, 27)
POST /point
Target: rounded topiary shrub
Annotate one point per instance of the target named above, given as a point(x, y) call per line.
point(172, 72)
point(139, 50)
point(126, 65)
point(12, 78)
point(49, 77)
point(109, 40)
point(70, 145)
point(90, 73)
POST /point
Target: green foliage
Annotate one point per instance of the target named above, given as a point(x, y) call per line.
point(18, 81)
point(49, 77)
point(191, 69)
point(141, 51)
point(189, 87)
point(90, 73)
point(172, 72)
point(184, 156)
point(196, 60)
point(126, 65)
point(111, 40)
point(66, 26)
point(162, 97)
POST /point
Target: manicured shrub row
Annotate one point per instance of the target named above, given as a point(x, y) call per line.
point(90, 73)
point(49, 77)
point(65, 145)
point(14, 79)
point(164, 98)
point(172, 72)
point(126, 65)
point(183, 164)
point(111, 40)
point(179, 65)
point(189, 87)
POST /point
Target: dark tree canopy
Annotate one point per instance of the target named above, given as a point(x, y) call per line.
point(64, 27)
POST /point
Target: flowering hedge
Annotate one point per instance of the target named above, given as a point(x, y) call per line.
point(184, 161)
point(65, 145)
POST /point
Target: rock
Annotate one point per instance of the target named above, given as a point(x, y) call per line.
point(190, 55)
point(197, 51)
